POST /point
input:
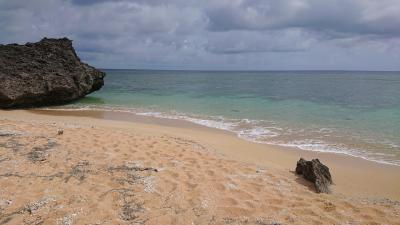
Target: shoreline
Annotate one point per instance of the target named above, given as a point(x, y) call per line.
point(351, 175)
point(126, 114)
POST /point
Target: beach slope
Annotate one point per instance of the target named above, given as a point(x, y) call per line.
point(76, 170)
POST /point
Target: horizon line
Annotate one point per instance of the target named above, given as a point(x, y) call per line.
point(276, 70)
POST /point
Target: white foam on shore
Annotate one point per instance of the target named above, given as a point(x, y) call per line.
point(258, 131)
point(320, 146)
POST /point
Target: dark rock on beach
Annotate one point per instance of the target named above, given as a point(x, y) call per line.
point(315, 172)
point(48, 72)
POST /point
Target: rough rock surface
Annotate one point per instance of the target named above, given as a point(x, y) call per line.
point(315, 172)
point(44, 73)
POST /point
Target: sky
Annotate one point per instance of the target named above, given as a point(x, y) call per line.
point(215, 34)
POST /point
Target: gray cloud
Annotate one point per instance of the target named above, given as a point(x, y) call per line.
point(237, 42)
point(330, 16)
point(259, 34)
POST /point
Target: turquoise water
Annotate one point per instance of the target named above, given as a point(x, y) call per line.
point(354, 113)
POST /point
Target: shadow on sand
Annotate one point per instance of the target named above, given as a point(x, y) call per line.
point(299, 179)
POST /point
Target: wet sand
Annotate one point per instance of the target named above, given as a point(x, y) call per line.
point(118, 168)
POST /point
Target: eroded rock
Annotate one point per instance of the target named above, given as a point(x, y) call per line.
point(315, 172)
point(48, 72)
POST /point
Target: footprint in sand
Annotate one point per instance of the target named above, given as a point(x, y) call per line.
point(220, 187)
point(190, 185)
point(229, 202)
point(255, 187)
point(189, 175)
point(275, 201)
point(172, 174)
point(210, 173)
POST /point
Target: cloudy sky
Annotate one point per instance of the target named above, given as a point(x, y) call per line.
point(215, 34)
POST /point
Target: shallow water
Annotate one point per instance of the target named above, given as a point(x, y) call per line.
point(354, 113)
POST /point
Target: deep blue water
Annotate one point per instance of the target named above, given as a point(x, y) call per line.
point(355, 113)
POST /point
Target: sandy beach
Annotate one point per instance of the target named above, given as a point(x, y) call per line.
point(94, 167)
point(245, 112)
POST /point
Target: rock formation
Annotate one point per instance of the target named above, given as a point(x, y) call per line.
point(315, 172)
point(44, 73)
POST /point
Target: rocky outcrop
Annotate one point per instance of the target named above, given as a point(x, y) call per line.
point(44, 73)
point(315, 172)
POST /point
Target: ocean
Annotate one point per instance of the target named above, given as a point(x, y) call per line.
point(346, 112)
